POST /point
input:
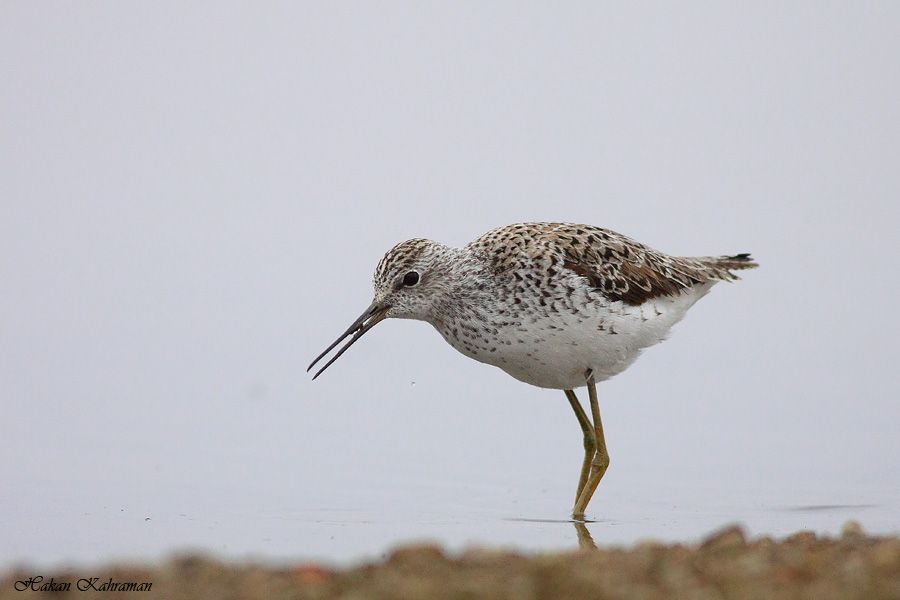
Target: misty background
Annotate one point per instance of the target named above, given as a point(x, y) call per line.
point(193, 198)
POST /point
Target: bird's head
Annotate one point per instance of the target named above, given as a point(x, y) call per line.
point(407, 280)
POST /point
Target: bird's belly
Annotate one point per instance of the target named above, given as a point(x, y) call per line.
point(558, 349)
point(561, 357)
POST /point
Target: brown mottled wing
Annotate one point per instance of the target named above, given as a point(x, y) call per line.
point(631, 283)
point(630, 272)
point(624, 270)
point(617, 266)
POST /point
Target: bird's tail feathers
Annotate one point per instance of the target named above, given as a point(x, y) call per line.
point(737, 262)
point(721, 267)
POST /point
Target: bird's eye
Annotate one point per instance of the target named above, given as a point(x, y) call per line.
point(410, 279)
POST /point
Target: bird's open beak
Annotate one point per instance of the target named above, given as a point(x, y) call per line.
point(371, 317)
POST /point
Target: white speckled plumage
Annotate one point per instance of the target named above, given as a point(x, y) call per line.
point(556, 305)
point(547, 302)
point(555, 349)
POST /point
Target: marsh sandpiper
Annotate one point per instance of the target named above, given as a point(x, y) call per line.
point(556, 305)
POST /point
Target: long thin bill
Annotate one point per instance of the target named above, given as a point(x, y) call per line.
point(371, 317)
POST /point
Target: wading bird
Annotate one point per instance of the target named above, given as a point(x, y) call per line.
point(556, 305)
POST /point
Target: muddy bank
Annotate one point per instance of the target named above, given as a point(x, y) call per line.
point(725, 565)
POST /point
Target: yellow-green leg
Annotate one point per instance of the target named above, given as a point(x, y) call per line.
point(600, 461)
point(589, 444)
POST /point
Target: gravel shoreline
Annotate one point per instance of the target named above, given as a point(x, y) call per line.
point(724, 565)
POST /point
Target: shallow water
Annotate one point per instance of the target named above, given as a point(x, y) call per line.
point(347, 467)
point(84, 525)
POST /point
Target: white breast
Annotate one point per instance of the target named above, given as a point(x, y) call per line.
point(556, 350)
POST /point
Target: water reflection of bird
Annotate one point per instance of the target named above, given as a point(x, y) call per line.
point(556, 305)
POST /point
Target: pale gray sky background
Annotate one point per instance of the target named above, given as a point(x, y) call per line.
point(194, 196)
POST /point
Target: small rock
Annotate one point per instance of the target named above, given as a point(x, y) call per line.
point(730, 537)
point(802, 537)
point(310, 573)
point(416, 553)
point(851, 529)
